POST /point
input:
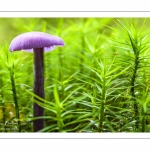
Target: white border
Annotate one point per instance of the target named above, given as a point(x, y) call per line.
point(74, 141)
point(78, 144)
point(65, 14)
point(74, 8)
point(75, 135)
point(74, 5)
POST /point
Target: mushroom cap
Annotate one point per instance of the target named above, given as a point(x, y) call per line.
point(32, 40)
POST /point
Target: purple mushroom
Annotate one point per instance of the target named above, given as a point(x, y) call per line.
point(36, 42)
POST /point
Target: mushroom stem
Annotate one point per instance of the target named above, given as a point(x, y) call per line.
point(38, 87)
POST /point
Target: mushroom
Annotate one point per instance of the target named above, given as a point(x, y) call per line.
point(38, 43)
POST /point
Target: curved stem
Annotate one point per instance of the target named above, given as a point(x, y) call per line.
point(133, 82)
point(136, 50)
point(143, 120)
point(15, 99)
point(100, 127)
point(3, 104)
point(38, 87)
point(103, 99)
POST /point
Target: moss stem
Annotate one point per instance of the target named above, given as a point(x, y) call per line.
point(15, 97)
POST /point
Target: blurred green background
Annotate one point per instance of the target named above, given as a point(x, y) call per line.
point(73, 79)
